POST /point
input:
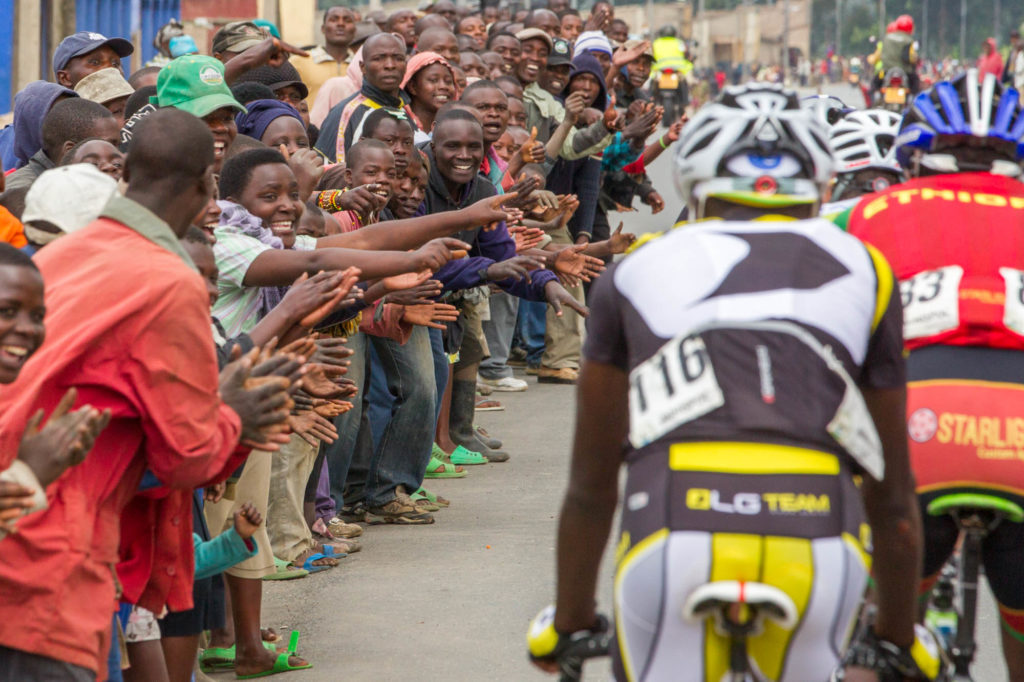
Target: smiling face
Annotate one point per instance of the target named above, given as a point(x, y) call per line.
point(588, 85)
point(287, 131)
point(209, 218)
point(510, 50)
point(572, 27)
point(534, 59)
point(77, 68)
point(339, 26)
point(554, 78)
point(432, 87)
point(272, 195)
point(398, 136)
point(222, 124)
point(492, 105)
point(21, 318)
point(373, 166)
point(384, 62)
point(475, 29)
point(458, 147)
point(409, 191)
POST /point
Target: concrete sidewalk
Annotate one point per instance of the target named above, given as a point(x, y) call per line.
point(450, 601)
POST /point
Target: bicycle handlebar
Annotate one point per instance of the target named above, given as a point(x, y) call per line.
point(570, 663)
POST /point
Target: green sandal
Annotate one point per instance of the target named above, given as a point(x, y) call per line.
point(286, 571)
point(216, 659)
point(468, 457)
point(433, 498)
point(423, 503)
point(438, 468)
point(281, 665)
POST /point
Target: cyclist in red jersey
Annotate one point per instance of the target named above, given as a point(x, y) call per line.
point(954, 235)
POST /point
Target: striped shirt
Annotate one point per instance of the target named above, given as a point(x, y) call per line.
point(238, 305)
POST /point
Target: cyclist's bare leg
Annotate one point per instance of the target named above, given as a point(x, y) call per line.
point(1013, 652)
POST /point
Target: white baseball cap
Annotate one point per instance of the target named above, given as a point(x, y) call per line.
point(69, 197)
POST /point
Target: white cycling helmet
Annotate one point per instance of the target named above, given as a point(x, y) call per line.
point(753, 146)
point(829, 109)
point(866, 139)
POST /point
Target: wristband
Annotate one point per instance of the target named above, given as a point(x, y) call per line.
point(661, 141)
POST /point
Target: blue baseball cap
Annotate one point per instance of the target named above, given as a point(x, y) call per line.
point(84, 42)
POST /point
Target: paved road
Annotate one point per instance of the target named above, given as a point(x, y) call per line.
point(452, 601)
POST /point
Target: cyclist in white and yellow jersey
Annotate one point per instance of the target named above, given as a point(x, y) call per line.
point(744, 368)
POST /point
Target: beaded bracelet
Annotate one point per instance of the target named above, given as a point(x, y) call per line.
point(328, 200)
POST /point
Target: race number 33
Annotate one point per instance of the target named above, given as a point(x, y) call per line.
point(673, 387)
point(931, 302)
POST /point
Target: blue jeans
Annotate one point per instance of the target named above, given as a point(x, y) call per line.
point(348, 457)
point(499, 331)
point(531, 326)
point(402, 400)
point(441, 366)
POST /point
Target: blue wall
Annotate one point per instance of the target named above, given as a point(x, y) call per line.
point(6, 53)
point(113, 18)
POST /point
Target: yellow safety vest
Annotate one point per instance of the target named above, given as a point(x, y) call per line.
point(669, 54)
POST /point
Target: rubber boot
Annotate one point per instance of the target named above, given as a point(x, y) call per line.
point(490, 441)
point(460, 423)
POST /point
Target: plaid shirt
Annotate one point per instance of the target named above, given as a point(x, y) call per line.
point(238, 305)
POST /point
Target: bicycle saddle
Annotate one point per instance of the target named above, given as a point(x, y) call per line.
point(764, 601)
point(966, 502)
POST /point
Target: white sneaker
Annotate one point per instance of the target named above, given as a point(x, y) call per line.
point(506, 384)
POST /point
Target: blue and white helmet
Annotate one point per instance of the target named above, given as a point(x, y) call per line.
point(755, 146)
point(950, 112)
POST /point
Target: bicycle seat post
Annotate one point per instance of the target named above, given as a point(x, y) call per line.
point(975, 529)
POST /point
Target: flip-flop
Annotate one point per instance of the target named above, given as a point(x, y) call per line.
point(465, 456)
point(281, 664)
point(331, 552)
point(285, 571)
point(433, 498)
point(440, 469)
point(219, 659)
point(307, 565)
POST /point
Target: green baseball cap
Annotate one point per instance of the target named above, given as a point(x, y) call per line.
point(194, 83)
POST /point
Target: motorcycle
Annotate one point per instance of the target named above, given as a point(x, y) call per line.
point(894, 91)
point(666, 93)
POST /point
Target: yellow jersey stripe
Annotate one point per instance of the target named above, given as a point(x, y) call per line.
point(750, 458)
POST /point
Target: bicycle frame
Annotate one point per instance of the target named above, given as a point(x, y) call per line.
point(976, 516)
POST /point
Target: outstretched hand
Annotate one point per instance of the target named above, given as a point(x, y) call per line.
point(64, 441)
point(433, 315)
point(623, 55)
point(620, 241)
point(491, 211)
point(558, 297)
